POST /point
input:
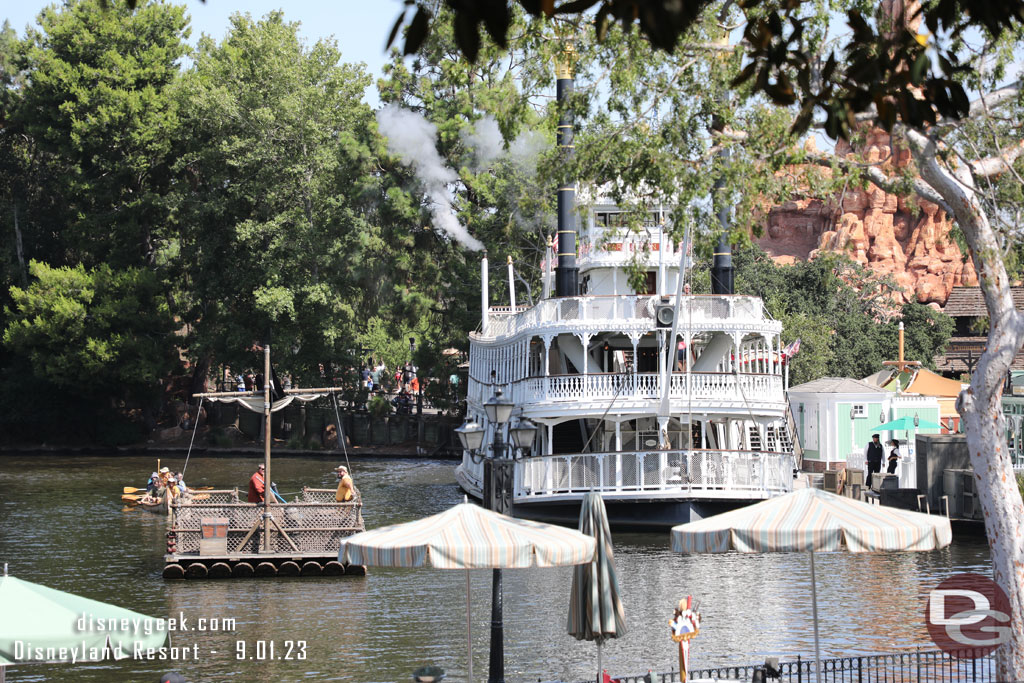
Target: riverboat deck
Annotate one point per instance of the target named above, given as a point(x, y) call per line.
point(222, 537)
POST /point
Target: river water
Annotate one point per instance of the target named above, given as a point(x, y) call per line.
point(62, 525)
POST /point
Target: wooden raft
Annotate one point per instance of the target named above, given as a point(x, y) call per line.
point(221, 537)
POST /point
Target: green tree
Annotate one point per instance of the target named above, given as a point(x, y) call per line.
point(865, 68)
point(842, 314)
point(86, 146)
point(96, 336)
point(96, 104)
point(277, 186)
point(492, 139)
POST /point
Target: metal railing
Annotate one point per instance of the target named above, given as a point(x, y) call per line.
point(698, 386)
point(713, 472)
point(696, 309)
point(912, 666)
point(719, 386)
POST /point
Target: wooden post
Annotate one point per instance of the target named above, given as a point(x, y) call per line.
point(267, 492)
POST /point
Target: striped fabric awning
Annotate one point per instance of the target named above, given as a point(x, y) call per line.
point(468, 537)
point(810, 519)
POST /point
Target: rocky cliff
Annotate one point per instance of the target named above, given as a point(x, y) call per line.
point(906, 239)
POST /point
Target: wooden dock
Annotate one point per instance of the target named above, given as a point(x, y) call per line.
point(221, 537)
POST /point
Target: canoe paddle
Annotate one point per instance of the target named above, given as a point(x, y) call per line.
point(132, 489)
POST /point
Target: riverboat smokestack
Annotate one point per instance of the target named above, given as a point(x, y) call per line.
point(485, 298)
point(566, 273)
point(721, 269)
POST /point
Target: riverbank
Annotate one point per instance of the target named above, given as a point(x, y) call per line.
point(305, 432)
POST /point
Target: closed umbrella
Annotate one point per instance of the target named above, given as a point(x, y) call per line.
point(811, 520)
point(595, 608)
point(38, 623)
point(468, 537)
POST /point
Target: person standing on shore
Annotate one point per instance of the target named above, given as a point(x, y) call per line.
point(257, 485)
point(894, 457)
point(873, 455)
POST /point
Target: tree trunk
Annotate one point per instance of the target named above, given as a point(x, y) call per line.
point(20, 249)
point(979, 404)
point(200, 376)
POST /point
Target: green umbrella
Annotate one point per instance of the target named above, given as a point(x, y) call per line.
point(41, 624)
point(595, 608)
point(907, 423)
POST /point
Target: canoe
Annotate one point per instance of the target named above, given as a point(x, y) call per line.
point(159, 506)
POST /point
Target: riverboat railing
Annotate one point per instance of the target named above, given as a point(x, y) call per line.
point(920, 666)
point(314, 524)
point(716, 473)
point(719, 386)
point(697, 309)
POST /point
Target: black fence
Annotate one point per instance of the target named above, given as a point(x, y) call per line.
point(911, 666)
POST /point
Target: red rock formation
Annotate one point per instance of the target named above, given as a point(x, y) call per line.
point(907, 239)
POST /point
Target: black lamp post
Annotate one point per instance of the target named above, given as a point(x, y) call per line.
point(499, 471)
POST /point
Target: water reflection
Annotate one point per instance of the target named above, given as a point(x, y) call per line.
point(381, 627)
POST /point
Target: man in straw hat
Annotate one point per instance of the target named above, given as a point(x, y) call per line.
point(346, 489)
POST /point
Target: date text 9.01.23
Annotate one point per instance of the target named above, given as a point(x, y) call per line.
point(263, 650)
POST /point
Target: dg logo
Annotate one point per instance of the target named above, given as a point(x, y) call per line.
point(968, 616)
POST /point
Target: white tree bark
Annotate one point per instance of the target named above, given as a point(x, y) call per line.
point(979, 405)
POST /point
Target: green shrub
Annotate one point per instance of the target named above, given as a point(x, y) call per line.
point(379, 406)
point(219, 438)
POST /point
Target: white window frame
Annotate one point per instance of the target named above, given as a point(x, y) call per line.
point(860, 411)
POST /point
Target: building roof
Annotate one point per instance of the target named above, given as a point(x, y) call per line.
point(837, 385)
point(969, 301)
point(927, 383)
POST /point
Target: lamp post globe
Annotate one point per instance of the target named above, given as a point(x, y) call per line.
point(498, 409)
point(523, 433)
point(471, 434)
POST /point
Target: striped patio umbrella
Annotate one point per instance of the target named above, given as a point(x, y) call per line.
point(595, 609)
point(468, 537)
point(812, 520)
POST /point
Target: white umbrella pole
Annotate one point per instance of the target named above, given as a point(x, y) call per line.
point(469, 630)
point(814, 600)
point(599, 661)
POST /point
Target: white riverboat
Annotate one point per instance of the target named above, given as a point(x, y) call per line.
point(672, 406)
point(592, 371)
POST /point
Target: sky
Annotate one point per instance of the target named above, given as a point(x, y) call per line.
point(361, 27)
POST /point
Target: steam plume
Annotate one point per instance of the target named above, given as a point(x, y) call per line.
point(411, 138)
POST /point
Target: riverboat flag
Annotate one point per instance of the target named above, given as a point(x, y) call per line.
point(792, 349)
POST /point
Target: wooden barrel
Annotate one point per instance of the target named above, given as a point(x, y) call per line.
point(266, 569)
point(312, 568)
point(334, 568)
point(288, 568)
point(220, 570)
point(355, 570)
point(174, 571)
point(242, 570)
point(196, 570)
